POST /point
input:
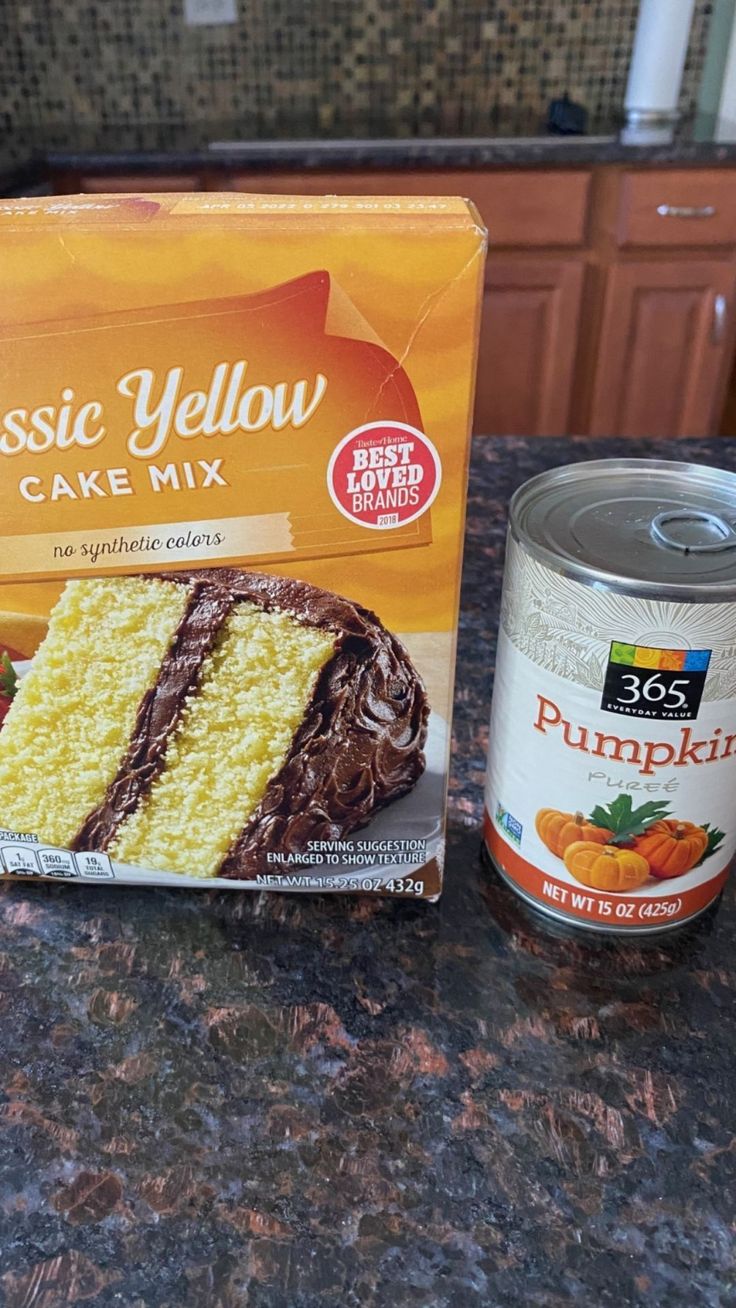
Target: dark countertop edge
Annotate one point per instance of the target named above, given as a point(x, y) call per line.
point(555, 152)
point(552, 152)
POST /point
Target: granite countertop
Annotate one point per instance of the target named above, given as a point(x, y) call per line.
point(226, 1099)
point(27, 155)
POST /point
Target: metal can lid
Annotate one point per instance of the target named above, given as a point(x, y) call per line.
point(647, 525)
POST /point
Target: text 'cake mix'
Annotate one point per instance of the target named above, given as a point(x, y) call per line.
point(233, 457)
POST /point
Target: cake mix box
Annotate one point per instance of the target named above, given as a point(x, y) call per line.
point(233, 458)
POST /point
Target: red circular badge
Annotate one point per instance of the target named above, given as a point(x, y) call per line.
point(383, 475)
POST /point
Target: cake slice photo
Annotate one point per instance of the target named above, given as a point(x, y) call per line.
point(197, 722)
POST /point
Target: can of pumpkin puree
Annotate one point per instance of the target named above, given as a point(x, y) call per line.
point(611, 787)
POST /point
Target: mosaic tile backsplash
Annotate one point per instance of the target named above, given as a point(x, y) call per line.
point(320, 67)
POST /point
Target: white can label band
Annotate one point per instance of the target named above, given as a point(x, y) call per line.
point(612, 763)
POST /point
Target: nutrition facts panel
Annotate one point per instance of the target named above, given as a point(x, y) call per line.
point(22, 855)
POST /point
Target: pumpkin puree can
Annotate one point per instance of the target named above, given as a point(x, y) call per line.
point(611, 787)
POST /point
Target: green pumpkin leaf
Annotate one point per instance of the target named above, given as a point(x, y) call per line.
point(716, 838)
point(625, 821)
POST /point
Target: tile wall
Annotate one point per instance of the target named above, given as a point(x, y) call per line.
point(319, 67)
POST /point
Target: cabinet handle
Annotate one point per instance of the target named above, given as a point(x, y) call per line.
point(720, 315)
point(686, 211)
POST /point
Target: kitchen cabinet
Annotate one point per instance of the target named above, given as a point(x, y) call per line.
point(664, 348)
point(150, 182)
point(528, 345)
point(669, 207)
point(125, 183)
point(609, 297)
point(536, 208)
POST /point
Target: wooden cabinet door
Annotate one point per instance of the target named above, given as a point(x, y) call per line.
point(66, 182)
point(520, 207)
point(528, 344)
point(134, 183)
point(666, 340)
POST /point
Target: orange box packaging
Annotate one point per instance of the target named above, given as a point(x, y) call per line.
point(233, 459)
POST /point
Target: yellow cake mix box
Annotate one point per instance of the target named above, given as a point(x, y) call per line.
point(234, 437)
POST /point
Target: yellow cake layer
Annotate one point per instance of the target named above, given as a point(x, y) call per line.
point(70, 723)
point(232, 738)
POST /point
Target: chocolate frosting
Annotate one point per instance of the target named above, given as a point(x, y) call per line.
point(359, 746)
point(158, 714)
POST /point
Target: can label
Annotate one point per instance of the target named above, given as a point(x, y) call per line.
point(612, 761)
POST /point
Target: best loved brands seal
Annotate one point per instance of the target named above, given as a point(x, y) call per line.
point(383, 475)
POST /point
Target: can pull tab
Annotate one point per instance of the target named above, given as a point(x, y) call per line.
point(693, 531)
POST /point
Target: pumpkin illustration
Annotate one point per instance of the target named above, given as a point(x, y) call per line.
point(672, 848)
point(606, 867)
point(557, 830)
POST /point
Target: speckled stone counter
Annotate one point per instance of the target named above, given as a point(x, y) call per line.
point(217, 148)
point(240, 1101)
